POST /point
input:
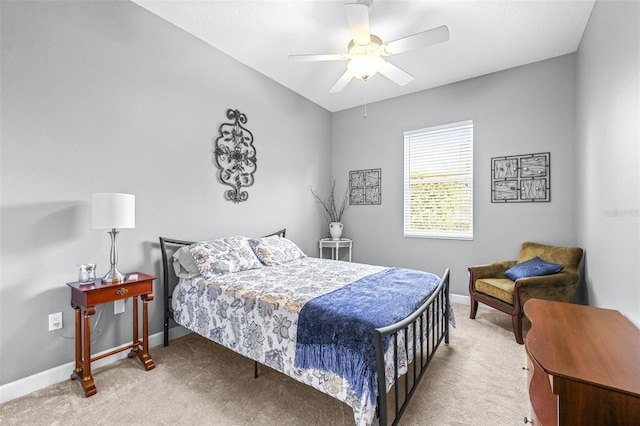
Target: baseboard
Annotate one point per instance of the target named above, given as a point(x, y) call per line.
point(63, 372)
point(58, 374)
point(459, 298)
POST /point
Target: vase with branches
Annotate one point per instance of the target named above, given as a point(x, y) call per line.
point(333, 212)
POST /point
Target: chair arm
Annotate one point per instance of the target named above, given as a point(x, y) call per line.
point(491, 270)
point(559, 287)
point(561, 279)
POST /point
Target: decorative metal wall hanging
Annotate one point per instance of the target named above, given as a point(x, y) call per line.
point(364, 186)
point(235, 156)
point(521, 178)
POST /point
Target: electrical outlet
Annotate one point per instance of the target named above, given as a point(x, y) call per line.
point(118, 306)
point(55, 321)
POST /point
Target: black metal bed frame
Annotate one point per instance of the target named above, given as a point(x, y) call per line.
point(429, 325)
point(166, 281)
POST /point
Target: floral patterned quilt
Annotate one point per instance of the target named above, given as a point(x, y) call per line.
point(255, 313)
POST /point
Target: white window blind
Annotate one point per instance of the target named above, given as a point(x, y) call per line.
point(438, 182)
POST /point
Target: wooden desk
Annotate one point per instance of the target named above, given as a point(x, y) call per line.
point(584, 365)
point(85, 297)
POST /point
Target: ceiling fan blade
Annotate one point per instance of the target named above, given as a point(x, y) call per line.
point(321, 57)
point(419, 40)
point(342, 82)
point(395, 74)
point(358, 20)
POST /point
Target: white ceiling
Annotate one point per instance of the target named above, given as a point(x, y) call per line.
point(485, 37)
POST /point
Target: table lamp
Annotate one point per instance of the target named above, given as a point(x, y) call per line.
point(113, 211)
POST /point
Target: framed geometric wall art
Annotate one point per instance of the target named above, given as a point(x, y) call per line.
point(521, 178)
point(364, 186)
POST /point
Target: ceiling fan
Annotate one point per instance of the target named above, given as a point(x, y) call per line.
point(366, 52)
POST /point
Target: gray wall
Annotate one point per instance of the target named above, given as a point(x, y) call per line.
point(519, 111)
point(608, 155)
point(105, 96)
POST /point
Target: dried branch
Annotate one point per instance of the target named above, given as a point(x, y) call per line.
point(329, 204)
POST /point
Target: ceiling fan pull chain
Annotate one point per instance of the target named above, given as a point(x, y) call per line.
point(365, 98)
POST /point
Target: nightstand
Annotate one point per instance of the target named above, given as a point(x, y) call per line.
point(335, 246)
point(85, 297)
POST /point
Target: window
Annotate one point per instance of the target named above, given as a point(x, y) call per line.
point(438, 182)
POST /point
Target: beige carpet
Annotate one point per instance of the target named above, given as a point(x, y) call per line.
point(477, 379)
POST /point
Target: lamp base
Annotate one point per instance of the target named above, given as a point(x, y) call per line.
point(113, 276)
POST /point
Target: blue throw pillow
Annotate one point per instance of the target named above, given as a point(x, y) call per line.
point(532, 268)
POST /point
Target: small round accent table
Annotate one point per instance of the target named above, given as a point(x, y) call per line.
point(335, 246)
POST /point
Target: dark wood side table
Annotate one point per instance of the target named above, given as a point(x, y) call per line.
point(85, 297)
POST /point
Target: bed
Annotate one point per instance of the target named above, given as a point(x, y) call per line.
point(353, 331)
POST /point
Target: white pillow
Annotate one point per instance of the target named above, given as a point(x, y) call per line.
point(184, 264)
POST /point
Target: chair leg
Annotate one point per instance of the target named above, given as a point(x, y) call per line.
point(474, 308)
point(516, 319)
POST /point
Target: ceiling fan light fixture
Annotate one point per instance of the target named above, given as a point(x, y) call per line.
point(365, 66)
point(366, 59)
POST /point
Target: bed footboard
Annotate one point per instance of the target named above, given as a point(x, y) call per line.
point(422, 333)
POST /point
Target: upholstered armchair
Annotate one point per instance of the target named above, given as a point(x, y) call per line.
point(489, 285)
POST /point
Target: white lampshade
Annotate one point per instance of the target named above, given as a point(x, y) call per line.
point(113, 211)
point(365, 66)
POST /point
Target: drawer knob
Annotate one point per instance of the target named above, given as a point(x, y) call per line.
point(122, 291)
point(528, 420)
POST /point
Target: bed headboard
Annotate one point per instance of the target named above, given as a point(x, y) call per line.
point(168, 246)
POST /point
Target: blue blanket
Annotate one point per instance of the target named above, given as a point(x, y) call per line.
point(335, 331)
